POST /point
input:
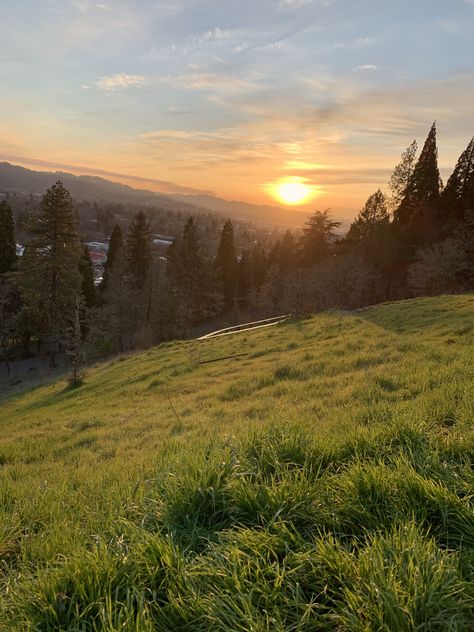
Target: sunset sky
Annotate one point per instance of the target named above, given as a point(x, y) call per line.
point(230, 96)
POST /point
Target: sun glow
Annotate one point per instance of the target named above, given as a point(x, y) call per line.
point(292, 191)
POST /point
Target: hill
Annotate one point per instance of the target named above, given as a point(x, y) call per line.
point(321, 481)
point(14, 178)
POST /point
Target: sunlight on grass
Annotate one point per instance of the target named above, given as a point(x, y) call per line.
point(322, 481)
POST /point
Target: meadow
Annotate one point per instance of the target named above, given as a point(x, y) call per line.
point(320, 479)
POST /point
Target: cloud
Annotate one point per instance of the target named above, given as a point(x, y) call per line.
point(294, 4)
point(368, 67)
point(120, 81)
point(208, 81)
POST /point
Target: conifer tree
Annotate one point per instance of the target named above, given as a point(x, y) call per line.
point(417, 212)
point(319, 235)
point(370, 219)
point(458, 195)
point(226, 265)
point(115, 243)
point(87, 279)
point(402, 174)
point(7, 238)
point(49, 274)
point(259, 265)
point(139, 250)
point(244, 280)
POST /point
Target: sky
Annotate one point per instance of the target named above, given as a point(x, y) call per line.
point(230, 97)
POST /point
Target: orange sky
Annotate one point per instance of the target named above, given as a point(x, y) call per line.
point(228, 98)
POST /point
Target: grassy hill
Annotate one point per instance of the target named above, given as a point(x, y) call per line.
point(321, 481)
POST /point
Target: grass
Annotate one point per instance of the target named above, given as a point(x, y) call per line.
point(323, 481)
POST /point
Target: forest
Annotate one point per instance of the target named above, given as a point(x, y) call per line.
point(415, 240)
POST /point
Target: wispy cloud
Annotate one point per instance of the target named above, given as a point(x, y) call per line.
point(294, 4)
point(120, 81)
point(367, 67)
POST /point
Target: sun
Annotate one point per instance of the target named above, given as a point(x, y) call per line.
point(292, 191)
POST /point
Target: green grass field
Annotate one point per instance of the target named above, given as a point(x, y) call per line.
point(322, 481)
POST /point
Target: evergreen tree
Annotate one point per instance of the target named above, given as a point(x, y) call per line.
point(115, 243)
point(370, 231)
point(49, 274)
point(188, 276)
point(226, 265)
point(87, 279)
point(259, 265)
point(417, 212)
point(458, 195)
point(119, 304)
point(139, 250)
point(402, 174)
point(318, 237)
point(7, 238)
point(244, 280)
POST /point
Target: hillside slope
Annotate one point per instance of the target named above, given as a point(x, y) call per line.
point(14, 178)
point(322, 480)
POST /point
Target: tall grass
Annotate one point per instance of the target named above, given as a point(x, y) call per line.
point(346, 503)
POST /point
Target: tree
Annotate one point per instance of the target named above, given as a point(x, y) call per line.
point(7, 238)
point(139, 250)
point(416, 215)
point(75, 348)
point(438, 268)
point(119, 305)
point(188, 273)
point(458, 195)
point(226, 265)
point(402, 174)
point(87, 279)
point(371, 218)
point(318, 237)
point(49, 274)
point(115, 243)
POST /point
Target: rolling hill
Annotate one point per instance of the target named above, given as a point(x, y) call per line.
point(320, 479)
point(14, 178)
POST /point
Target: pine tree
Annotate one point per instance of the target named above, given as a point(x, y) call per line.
point(115, 243)
point(226, 265)
point(49, 272)
point(318, 237)
point(402, 174)
point(370, 219)
point(192, 287)
point(458, 195)
point(87, 275)
point(7, 238)
point(139, 250)
point(417, 212)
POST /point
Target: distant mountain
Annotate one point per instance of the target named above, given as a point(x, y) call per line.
point(16, 179)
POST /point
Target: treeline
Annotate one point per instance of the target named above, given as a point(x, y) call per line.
point(417, 240)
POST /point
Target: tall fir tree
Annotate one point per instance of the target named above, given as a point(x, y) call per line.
point(50, 280)
point(226, 265)
point(115, 243)
point(458, 195)
point(7, 238)
point(416, 215)
point(138, 248)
